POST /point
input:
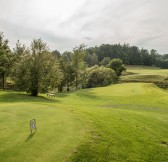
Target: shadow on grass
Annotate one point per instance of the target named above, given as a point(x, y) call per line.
point(63, 94)
point(87, 93)
point(12, 96)
point(30, 136)
point(8, 96)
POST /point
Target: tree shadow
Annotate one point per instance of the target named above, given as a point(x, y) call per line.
point(64, 94)
point(30, 136)
point(7, 96)
point(87, 93)
point(13, 96)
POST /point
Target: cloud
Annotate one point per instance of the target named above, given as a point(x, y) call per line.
point(67, 23)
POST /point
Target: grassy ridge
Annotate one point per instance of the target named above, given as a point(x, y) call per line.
point(124, 122)
point(144, 74)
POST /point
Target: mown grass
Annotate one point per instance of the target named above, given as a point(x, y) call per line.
point(58, 130)
point(144, 74)
point(123, 122)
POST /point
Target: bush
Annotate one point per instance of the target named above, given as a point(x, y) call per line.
point(100, 76)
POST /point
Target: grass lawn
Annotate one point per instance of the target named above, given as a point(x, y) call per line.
point(145, 74)
point(123, 122)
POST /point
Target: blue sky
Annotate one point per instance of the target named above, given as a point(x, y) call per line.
point(67, 23)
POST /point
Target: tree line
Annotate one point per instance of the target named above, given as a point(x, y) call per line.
point(36, 69)
point(130, 55)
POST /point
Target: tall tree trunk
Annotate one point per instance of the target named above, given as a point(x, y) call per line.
point(34, 92)
point(76, 84)
point(68, 87)
point(35, 87)
point(60, 88)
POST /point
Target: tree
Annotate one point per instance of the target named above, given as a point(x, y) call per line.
point(20, 67)
point(146, 59)
point(134, 57)
point(67, 70)
point(56, 54)
point(105, 61)
point(5, 59)
point(118, 66)
point(78, 62)
point(100, 76)
point(153, 55)
point(131, 55)
point(91, 59)
point(39, 69)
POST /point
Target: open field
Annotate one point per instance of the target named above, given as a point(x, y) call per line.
point(123, 122)
point(145, 74)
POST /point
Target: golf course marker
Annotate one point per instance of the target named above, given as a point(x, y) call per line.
point(32, 125)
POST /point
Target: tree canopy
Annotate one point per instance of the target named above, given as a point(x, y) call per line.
point(118, 66)
point(5, 59)
point(36, 69)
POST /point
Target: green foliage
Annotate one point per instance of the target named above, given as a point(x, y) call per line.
point(91, 59)
point(28, 66)
point(56, 54)
point(130, 55)
point(67, 70)
point(5, 59)
point(118, 66)
point(37, 70)
point(105, 62)
point(78, 63)
point(99, 76)
point(162, 63)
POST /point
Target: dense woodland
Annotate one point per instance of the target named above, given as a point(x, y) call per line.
point(130, 55)
point(36, 69)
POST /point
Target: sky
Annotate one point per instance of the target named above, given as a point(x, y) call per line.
point(64, 24)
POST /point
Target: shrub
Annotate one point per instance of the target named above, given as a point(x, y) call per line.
point(100, 76)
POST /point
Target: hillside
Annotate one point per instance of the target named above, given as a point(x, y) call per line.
point(144, 74)
point(123, 122)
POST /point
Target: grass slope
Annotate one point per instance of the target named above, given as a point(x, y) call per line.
point(144, 74)
point(124, 122)
point(58, 130)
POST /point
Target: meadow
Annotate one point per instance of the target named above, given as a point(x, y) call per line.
point(122, 122)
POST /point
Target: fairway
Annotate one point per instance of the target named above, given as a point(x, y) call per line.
point(122, 122)
point(144, 74)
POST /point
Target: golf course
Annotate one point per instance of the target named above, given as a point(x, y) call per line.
point(144, 74)
point(83, 81)
point(125, 122)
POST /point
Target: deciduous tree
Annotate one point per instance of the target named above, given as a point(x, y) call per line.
point(5, 59)
point(39, 69)
point(118, 66)
point(78, 62)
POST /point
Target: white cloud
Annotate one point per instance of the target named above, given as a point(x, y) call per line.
point(66, 23)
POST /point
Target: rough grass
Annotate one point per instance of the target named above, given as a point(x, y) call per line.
point(124, 122)
point(144, 74)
